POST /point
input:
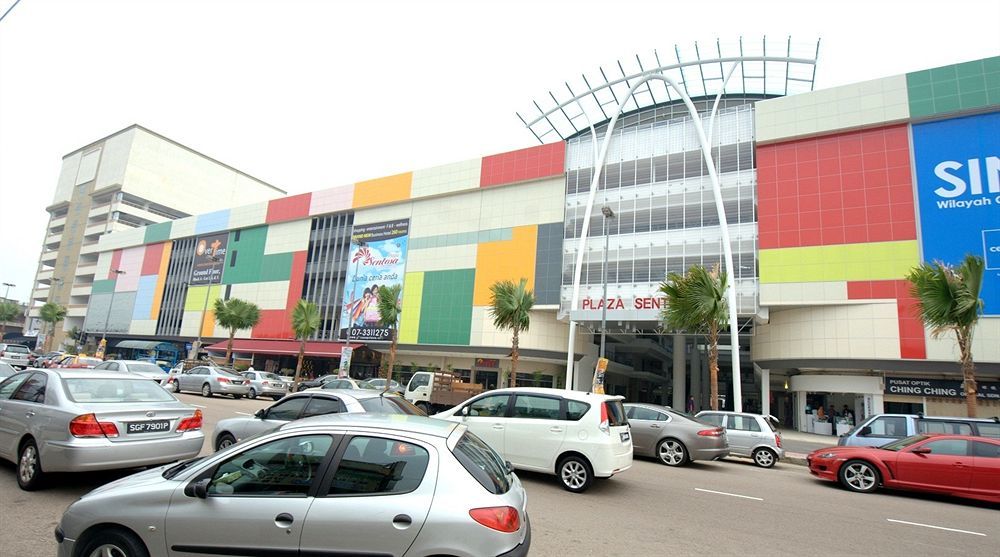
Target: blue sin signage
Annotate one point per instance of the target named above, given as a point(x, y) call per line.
point(958, 194)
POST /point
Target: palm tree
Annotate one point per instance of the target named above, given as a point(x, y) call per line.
point(52, 313)
point(235, 314)
point(696, 302)
point(8, 311)
point(389, 309)
point(305, 321)
point(948, 300)
point(510, 306)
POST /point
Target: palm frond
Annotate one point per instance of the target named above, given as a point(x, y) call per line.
point(510, 305)
point(305, 319)
point(696, 299)
point(389, 305)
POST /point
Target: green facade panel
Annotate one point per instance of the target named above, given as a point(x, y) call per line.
point(159, 232)
point(103, 287)
point(446, 307)
point(277, 266)
point(245, 256)
point(966, 86)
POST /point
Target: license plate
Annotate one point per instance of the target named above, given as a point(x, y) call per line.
point(625, 436)
point(237, 382)
point(149, 427)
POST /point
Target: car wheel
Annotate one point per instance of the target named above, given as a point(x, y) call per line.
point(29, 467)
point(225, 440)
point(252, 394)
point(765, 458)
point(237, 397)
point(426, 407)
point(859, 476)
point(175, 386)
point(114, 543)
point(206, 390)
point(672, 452)
point(575, 474)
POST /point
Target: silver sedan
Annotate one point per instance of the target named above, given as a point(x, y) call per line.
point(313, 402)
point(673, 437)
point(54, 420)
point(136, 367)
point(263, 383)
point(329, 485)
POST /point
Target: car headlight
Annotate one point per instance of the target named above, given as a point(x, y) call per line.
point(826, 455)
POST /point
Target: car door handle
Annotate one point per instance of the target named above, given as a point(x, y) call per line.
point(283, 520)
point(497, 426)
point(556, 429)
point(29, 414)
point(402, 521)
point(959, 465)
point(654, 426)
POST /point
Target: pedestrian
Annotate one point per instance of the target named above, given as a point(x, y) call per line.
point(833, 420)
point(690, 404)
point(847, 415)
point(250, 368)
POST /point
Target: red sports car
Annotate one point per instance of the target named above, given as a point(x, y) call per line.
point(959, 465)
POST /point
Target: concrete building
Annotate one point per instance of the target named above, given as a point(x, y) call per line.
point(130, 179)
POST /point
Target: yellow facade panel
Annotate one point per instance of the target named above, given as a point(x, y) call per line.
point(512, 259)
point(383, 190)
point(161, 280)
point(409, 321)
point(847, 262)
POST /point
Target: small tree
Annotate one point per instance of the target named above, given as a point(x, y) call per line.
point(235, 314)
point(389, 309)
point(696, 302)
point(948, 300)
point(8, 311)
point(52, 313)
point(510, 307)
point(305, 322)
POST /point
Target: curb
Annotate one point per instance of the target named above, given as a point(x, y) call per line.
point(795, 458)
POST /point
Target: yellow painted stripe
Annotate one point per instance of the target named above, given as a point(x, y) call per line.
point(512, 259)
point(868, 261)
point(409, 322)
point(383, 190)
point(161, 280)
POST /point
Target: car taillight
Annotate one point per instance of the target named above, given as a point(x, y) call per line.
point(265, 383)
point(192, 423)
point(777, 439)
point(715, 432)
point(223, 379)
point(502, 519)
point(88, 426)
point(604, 426)
point(170, 379)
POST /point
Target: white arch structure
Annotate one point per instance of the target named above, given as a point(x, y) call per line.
point(705, 141)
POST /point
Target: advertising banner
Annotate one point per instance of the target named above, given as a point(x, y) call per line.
point(944, 388)
point(209, 259)
point(378, 260)
point(958, 194)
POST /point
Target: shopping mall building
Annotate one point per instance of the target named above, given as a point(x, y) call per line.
point(829, 198)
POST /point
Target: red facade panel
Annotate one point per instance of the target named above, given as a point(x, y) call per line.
point(911, 330)
point(274, 323)
point(116, 261)
point(846, 188)
point(151, 259)
point(523, 165)
point(288, 208)
point(296, 279)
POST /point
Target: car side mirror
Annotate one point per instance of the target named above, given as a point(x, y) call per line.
point(198, 489)
point(509, 466)
point(921, 450)
point(865, 431)
point(260, 414)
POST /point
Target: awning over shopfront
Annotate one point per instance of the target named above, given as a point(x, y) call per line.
point(316, 349)
point(139, 344)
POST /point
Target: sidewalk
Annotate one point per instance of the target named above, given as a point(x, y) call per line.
point(798, 444)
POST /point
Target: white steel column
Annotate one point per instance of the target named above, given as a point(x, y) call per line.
point(680, 385)
point(696, 375)
point(765, 391)
point(706, 151)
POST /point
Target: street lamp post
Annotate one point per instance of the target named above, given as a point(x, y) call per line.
point(7, 292)
point(196, 347)
point(608, 215)
point(107, 316)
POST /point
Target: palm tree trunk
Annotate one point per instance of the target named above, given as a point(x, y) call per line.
point(513, 359)
point(392, 362)
point(229, 347)
point(298, 365)
point(713, 365)
point(968, 369)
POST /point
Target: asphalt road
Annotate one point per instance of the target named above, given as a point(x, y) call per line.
point(724, 508)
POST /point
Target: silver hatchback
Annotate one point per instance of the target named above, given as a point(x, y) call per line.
point(209, 381)
point(344, 484)
point(78, 420)
point(750, 435)
point(673, 437)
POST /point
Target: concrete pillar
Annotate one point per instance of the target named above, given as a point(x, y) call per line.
point(680, 385)
point(800, 411)
point(699, 403)
point(765, 391)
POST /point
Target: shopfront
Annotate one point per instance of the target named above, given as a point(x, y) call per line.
point(832, 404)
point(938, 397)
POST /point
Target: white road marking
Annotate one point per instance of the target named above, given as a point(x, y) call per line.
point(198, 405)
point(935, 527)
point(729, 494)
point(244, 414)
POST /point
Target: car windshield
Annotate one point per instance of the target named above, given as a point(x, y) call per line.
point(16, 348)
point(89, 361)
point(390, 405)
point(483, 463)
point(114, 390)
point(270, 376)
point(903, 443)
point(146, 368)
point(180, 467)
point(231, 373)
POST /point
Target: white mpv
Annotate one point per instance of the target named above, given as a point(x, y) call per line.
point(575, 435)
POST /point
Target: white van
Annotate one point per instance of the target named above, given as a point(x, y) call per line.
point(575, 435)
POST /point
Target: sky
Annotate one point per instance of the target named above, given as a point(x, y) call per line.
point(307, 95)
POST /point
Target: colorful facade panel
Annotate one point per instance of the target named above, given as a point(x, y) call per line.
point(212, 222)
point(847, 188)
point(446, 307)
point(445, 179)
point(287, 237)
point(288, 208)
point(523, 165)
point(845, 262)
point(158, 232)
point(512, 259)
point(409, 322)
point(911, 330)
point(247, 215)
point(332, 200)
point(161, 280)
point(131, 263)
point(144, 297)
point(967, 86)
point(382, 191)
